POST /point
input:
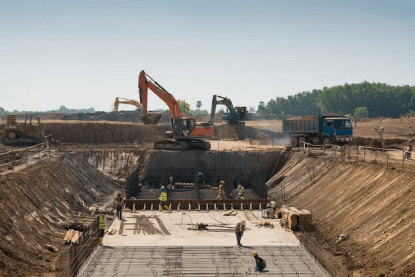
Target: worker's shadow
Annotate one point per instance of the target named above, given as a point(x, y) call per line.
point(249, 247)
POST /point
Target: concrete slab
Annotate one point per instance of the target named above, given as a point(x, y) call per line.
point(211, 252)
point(220, 233)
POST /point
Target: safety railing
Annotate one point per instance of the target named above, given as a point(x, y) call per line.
point(388, 157)
point(9, 160)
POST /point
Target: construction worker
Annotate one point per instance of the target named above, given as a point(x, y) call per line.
point(171, 181)
point(118, 203)
point(221, 191)
point(269, 211)
point(101, 225)
point(201, 178)
point(163, 199)
point(260, 262)
point(241, 191)
point(407, 153)
point(239, 231)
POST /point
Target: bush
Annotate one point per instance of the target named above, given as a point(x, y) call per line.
point(361, 112)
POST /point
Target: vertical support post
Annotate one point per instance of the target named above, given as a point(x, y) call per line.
point(215, 207)
point(387, 158)
point(178, 207)
point(48, 149)
point(376, 154)
point(134, 208)
point(350, 157)
point(27, 157)
point(144, 208)
point(13, 160)
point(364, 153)
point(190, 207)
point(224, 207)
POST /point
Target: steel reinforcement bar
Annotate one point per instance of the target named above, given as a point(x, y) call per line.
point(201, 204)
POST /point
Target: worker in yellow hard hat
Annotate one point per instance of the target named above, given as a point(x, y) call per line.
point(221, 191)
point(260, 262)
point(163, 199)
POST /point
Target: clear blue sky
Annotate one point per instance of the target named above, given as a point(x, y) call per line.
point(83, 54)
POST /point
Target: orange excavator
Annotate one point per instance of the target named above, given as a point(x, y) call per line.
point(186, 132)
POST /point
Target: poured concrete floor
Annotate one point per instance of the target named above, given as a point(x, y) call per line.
point(211, 252)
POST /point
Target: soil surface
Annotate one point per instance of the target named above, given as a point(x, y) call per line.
point(36, 201)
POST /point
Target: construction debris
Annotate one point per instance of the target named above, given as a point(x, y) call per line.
point(112, 232)
point(51, 248)
point(75, 238)
point(342, 237)
point(265, 224)
point(231, 213)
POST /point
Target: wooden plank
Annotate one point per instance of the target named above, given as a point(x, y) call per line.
point(75, 238)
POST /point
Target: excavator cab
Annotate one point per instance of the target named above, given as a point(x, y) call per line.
point(183, 127)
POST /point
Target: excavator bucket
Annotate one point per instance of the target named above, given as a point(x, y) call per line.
point(151, 118)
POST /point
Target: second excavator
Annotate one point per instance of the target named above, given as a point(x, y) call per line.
point(186, 132)
point(153, 119)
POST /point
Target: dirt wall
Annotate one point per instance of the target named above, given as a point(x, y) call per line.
point(104, 132)
point(213, 164)
point(371, 204)
point(34, 203)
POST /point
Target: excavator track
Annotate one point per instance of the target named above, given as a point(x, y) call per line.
point(182, 144)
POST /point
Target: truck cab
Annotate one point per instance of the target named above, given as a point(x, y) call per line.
point(336, 127)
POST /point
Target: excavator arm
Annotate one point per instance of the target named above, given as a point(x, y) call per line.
point(125, 101)
point(144, 84)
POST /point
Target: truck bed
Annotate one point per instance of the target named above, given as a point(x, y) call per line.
point(300, 126)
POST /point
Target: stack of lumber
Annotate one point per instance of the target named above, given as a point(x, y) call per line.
point(72, 236)
point(294, 217)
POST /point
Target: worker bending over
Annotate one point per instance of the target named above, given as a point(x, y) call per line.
point(163, 199)
point(239, 231)
point(240, 192)
point(260, 262)
point(101, 225)
point(201, 178)
point(269, 211)
point(118, 203)
point(221, 191)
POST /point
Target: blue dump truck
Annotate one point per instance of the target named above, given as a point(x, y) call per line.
point(318, 129)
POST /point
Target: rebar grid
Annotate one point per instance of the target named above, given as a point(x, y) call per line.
point(284, 260)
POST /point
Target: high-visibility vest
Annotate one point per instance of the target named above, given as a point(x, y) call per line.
point(164, 196)
point(101, 221)
point(240, 191)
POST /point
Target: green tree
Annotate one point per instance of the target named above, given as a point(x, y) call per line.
point(184, 107)
point(2, 112)
point(199, 104)
point(361, 112)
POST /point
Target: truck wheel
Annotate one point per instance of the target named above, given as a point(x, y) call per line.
point(294, 141)
point(326, 141)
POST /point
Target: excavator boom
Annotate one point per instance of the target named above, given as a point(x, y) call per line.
point(144, 85)
point(125, 101)
point(185, 130)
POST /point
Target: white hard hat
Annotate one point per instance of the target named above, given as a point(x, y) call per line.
point(101, 210)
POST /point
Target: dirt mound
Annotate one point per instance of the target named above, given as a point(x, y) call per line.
point(371, 204)
point(35, 202)
point(310, 117)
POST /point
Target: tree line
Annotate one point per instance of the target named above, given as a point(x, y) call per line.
point(374, 99)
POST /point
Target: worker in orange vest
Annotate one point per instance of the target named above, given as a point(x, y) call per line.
point(221, 191)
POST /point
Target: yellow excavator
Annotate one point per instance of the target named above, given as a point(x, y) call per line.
point(153, 118)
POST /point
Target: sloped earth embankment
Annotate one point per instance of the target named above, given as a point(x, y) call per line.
point(35, 202)
point(371, 204)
